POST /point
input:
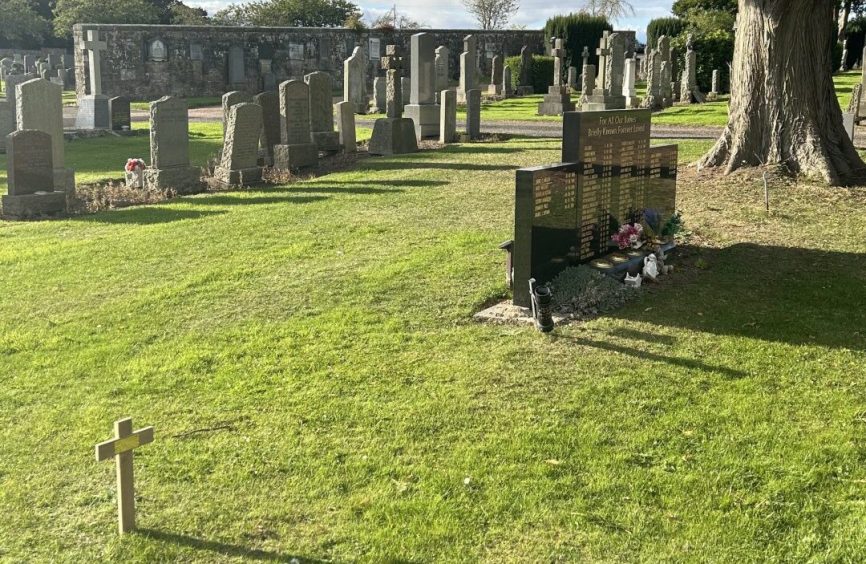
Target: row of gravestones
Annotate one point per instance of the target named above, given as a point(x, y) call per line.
point(662, 90)
point(53, 68)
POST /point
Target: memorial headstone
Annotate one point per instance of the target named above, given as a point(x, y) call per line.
point(468, 68)
point(588, 80)
point(628, 84)
point(169, 148)
point(296, 149)
point(239, 160)
point(270, 136)
point(442, 68)
point(714, 91)
point(566, 214)
point(611, 66)
point(393, 134)
point(572, 79)
point(12, 82)
point(322, 132)
point(118, 109)
point(40, 106)
point(422, 108)
point(229, 99)
point(495, 86)
point(689, 91)
point(524, 82)
point(346, 126)
point(93, 112)
point(473, 114)
point(30, 177)
point(507, 84)
point(405, 91)
point(557, 100)
point(7, 122)
point(665, 71)
point(448, 117)
point(355, 80)
point(379, 97)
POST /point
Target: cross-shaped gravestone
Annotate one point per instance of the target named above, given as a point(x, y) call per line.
point(585, 55)
point(392, 63)
point(558, 53)
point(603, 53)
point(120, 447)
point(96, 47)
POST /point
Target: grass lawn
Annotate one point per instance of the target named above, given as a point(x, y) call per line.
point(318, 389)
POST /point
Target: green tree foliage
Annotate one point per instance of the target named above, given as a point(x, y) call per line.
point(671, 27)
point(540, 73)
point(683, 8)
point(181, 14)
point(70, 12)
point(295, 13)
point(21, 24)
point(577, 31)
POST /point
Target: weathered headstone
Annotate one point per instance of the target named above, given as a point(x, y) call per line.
point(468, 68)
point(405, 90)
point(442, 68)
point(567, 213)
point(628, 84)
point(689, 91)
point(588, 80)
point(507, 84)
point(93, 112)
point(355, 80)
point(448, 117)
point(665, 71)
point(714, 91)
point(12, 82)
point(346, 126)
point(30, 177)
point(572, 79)
point(120, 448)
point(557, 100)
point(7, 122)
point(239, 160)
point(422, 108)
point(611, 66)
point(118, 109)
point(40, 106)
point(524, 81)
point(296, 149)
point(169, 148)
point(322, 132)
point(379, 96)
point(270, 103)
point(473, 114)
point(394, 134)
point(495, 86)
point(229, 99)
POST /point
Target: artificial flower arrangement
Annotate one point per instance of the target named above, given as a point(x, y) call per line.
point(135, 173)
point(629, 236)
point(134, 165)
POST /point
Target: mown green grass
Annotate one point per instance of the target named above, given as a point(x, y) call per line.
point(318, 389)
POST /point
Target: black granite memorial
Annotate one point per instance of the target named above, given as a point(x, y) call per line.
point(567, 213)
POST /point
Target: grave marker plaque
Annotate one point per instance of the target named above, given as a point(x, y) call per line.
point(568, 212)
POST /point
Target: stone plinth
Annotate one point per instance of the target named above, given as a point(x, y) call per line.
point(556, 101)
point(296, 156)
point(426, 119)
point(93, 113)
point(393, 136)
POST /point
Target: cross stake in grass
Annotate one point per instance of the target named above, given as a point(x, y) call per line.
point(120, 447)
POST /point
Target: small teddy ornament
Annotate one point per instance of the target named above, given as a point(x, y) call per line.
point(633, 281)
point(661, 259)
point(650, 268)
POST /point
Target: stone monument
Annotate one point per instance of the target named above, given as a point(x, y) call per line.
point(524, 81)
point(448, 117)
point(239, 160)
point(495, 86)
point(93, 112)
point(393, 134)
point(628, 84)
point(346, 126)
point(322, 132)
point(666, 91)
point(40, 106)
point(557, 100)
point(169, 148)
point(468, 68)
point(296, 149)
point(473, 114)
point(442, 68)
point(229, 99)
point(689, 91)
point(422, 107)
point(379, 95)
point(607, 94)
point(30, 177)
point(507, 84)
point(355, 80)
point(714, 92)
point(119, 113)
point(270, 103)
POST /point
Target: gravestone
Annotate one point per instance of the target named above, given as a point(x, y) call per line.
point(12, 82)
point(322, 132)
point(169, 148)
point(442, 66)
point(30, 177)
point(689, 91)
point(848, 123)
point(229, 99)
point(51, 61)
point(473, 114)
point(666, 70)
point(607, 94)
point(495, 86)
point(572, 79)
point(355, 80)
point(628, 84)
point(40, 106)
point(394, 134)
point(524, 81)
point(405, 91)
point(296, 149)
point(714, 91)
point(468, 68)
point(566, 214)
point(118, 109)
point(557, 100)
point(237, 67)
point(29, 64)
point(240, 155)
point(7, 122)
point(346, 126)
point(448, 117)
point(588, 80)
point(585, 56)
point(379, 96)
point(422, 108)
point(93, 112)
point(270, 103)
point(507, 84)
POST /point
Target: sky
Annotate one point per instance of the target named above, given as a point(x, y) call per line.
point(451, 13)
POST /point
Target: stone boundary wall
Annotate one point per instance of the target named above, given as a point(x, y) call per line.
point(146, 62)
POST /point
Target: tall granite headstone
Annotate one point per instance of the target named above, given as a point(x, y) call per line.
point(507, 84)
point(40, 106)
point(495, 86)
point(93, 112)
point(666, 71)
point(379, 95)
point(270, 103)
point(346, 126)
point(442, 67)
point(322, 132)
point(7, 122)
point(473, 114)
point(169, 148)
point(394, 134)
point(689, 91)
point(468, 68)
point(557, 100)
point(229, 99)
point(30, 177)
point(653, 99)
point(118, 109)
point(239, 160)
point(524, 81)
point(355, 80)
point(448, 117)
point(422, 108)
point(628, 84)
point(296, 149)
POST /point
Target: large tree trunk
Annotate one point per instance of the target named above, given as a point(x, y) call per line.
point(783, 106)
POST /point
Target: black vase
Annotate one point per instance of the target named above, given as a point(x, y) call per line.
point(542, 300)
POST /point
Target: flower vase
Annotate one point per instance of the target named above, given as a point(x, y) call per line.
point(135, 178)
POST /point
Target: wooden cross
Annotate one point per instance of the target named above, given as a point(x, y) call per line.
point(95, 46)
point(120, 447)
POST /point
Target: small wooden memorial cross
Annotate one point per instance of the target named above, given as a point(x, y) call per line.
point(120, 447)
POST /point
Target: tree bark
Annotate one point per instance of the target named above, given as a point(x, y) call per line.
point(783, 107)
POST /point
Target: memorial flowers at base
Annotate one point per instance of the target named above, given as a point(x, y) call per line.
point(629, 236)
point(135, 173)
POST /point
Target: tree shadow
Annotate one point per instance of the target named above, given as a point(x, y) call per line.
point(409, 164)
point(394, 183)
point(225, 549)
point(782, 294)
point(144, 215)
point(478, 148)
point(226, 200)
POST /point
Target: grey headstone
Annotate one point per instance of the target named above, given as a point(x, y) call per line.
point(473, 113)
point(31, 166)
point(12, 82)
point(572, 78)
point(229, 99)
point(93, 112)
point(322, 111)
point(118, 108)
point(169, 133)
point(379, 89)
point(507, 83)
point(468, 67)
point(495, 86)
point(394, 134)
point(448, 118)
point(295, 150)
point(240, 154)
point(7, 122)
point(441, 63)
point(346, 126)
point(355, 80)
point(270, 104)
point(423, 70)
point(40, 106)
point(525, 80)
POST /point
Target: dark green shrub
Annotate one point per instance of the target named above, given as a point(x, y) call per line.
point(856, 33)
point(672, 27)
point(577, 31)
point(540, 73)
point(714, 52)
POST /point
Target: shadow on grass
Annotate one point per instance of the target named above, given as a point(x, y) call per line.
point(224, 549)
point(239, 199)
point(395, 183)
point(410, 164)
point(780, 294)
point(148, 215)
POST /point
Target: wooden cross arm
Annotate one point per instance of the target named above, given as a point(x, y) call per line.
point(113, 447)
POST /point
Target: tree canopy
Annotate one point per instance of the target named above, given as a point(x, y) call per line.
point(492, 14)
point(21, 22)
point(300, 13)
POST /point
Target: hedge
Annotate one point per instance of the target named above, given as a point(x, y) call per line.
point(577, 31)
point(672, 27)
point(714, 52)
point(540, 72)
